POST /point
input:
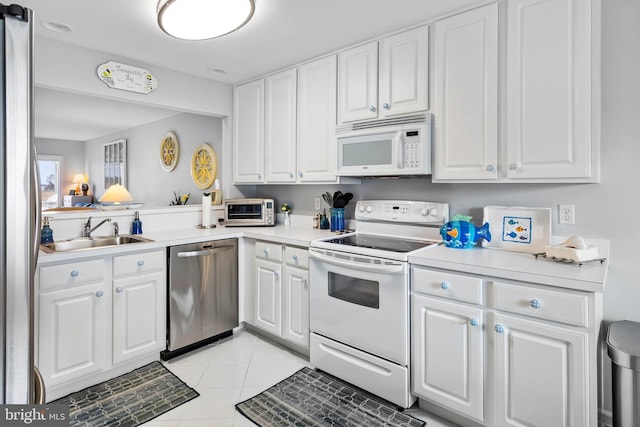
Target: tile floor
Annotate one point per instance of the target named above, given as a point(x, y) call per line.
point(233, 370)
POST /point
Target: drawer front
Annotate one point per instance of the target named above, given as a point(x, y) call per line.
point(570, 307)
point(70, 274)
point(267, 250)
point(298, 257)
point(144, 262)
point(447, 285)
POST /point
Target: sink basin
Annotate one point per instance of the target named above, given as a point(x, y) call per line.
point(90, 242)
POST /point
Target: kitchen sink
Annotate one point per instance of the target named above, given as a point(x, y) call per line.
point(90, 242)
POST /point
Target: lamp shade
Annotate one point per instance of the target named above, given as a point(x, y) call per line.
point(79, 179)
point(116, 194)
point(203, 19)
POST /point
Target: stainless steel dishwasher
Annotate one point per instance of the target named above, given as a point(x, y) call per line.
point(202, 295)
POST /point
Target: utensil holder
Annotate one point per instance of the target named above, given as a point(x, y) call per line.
point(337, 219)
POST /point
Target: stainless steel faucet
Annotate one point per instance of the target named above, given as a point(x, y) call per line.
point(87, 227)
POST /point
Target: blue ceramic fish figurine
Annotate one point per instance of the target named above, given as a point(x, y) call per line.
point(462, 234)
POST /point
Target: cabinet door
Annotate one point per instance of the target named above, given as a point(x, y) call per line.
point(268, 296)
point(139, 325)
point(541, 374)
point(248, 133)
point(447, 362)
point(358, 83)
point(549, 89)
point(466, 95)
point(404, 73)
point(280, 127)
point(73, 337)
point(296, 306)
point(317, 147)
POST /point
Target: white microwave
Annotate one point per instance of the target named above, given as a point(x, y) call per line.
point(394, 150)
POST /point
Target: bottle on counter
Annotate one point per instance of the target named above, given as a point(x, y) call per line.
point(136, 225)
point(47, 232)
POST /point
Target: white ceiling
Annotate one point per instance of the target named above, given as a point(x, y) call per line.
point(281, 33)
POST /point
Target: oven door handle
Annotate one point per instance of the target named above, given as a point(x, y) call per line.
point(394, 268)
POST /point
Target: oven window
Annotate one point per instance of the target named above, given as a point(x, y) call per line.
point(249, 211)
point(354, 290)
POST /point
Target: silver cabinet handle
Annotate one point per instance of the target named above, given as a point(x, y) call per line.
point(119, 289)
point(386, 106)
point(513, 166)
point(140, 263)
point(534, 303)
point(372, 108)
point(266, 251)
point(300, 174)
point(473, 321)
point(490, 168)
point(499, 329)
point(444, 286)
point(204, 252)
point(276, 274)
point(294, 257)
point(99, 294)
point(75, 273)
point(304, 280)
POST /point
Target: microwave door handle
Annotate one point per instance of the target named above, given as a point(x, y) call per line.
point(397, 268)
point(399, 142)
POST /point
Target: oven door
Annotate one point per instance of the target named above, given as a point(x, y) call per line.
point(361, 301)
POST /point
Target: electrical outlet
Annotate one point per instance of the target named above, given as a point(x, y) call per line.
point(317, 203)
point(566, 214)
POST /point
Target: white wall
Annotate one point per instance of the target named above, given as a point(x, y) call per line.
point(146, 180)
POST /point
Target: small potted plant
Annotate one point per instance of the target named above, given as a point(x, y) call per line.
point(286, 209)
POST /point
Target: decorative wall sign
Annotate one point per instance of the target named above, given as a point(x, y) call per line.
point(115, 163)
point(169, 150)
point(127, 77)
point(204, 166)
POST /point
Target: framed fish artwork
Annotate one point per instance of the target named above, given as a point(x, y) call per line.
point(518, 229)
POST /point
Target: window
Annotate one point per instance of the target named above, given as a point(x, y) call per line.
point(50, 168)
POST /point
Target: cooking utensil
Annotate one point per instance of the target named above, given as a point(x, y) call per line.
point(347, 197)
point(336, 196)
point(328, 199)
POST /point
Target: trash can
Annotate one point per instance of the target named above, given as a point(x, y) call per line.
point(623, 342)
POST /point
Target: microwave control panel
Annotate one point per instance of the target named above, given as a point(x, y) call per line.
point(411, 150)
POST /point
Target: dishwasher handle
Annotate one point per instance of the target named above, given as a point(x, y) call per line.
point(204, 252)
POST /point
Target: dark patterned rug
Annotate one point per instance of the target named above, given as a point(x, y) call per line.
point(128, 400)
point(314, 398)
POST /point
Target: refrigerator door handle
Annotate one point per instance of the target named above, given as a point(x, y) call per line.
point(37, 200)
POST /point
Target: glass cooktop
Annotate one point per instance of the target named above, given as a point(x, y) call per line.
point(381, 243)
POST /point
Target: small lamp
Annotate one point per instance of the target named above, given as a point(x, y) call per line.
point(116, 194)
point(79, 179)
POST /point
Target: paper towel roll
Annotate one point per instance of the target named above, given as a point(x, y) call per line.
point(206, 209)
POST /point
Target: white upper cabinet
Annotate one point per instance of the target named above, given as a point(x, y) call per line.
point(539, 121)
point(317, 148)
point(280, 127)
point(396, 82)
point(466, 95)
point(549, 89)
point(248, 133)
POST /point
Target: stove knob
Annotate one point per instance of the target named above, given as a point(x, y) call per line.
point(424, 211)
point(434, 212)
point(361, 208)
point(369, 209)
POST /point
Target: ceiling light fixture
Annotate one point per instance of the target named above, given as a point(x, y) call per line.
point(203, 19)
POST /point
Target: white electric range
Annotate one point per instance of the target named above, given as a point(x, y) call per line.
point(359, 295)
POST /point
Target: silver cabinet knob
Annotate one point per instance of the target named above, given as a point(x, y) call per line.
point(499, 329)
point(290, 174)
point(294, 257)
point(304, 280)
point(534, 303)
point(300, 174)
point(266, 251)
point(119, 289)
point(372, 108)
point(473, 321)
point(75, 273)
point(99, 294)
point(512, 166)
point(140, 263)
point(490, 168)
point(276, 274)
point(386, 106)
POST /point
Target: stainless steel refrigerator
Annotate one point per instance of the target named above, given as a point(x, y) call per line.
point(19, 208)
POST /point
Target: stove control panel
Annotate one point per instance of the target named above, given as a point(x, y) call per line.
point(402, 211)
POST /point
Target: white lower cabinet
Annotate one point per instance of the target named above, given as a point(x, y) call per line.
point(504, 353)
point(281, 292)
point(92, 317)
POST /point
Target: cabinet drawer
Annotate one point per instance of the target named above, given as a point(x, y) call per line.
point(297, 256)
point(70, 274)
point(448, 285)
point(144, 262)
point(560, 306)
point(267, 250)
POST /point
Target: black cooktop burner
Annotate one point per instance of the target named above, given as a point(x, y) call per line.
point(381, 243)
